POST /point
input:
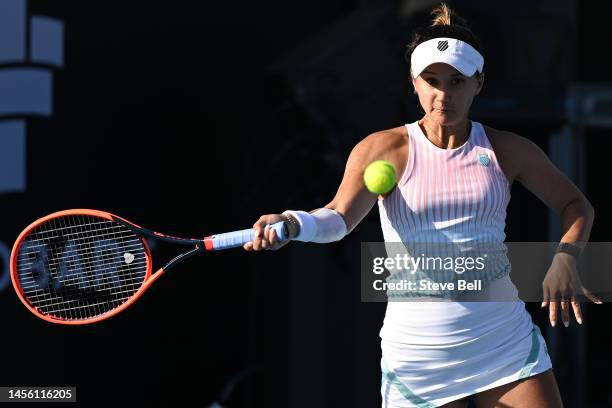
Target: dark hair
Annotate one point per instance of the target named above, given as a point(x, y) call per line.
point(444, 24)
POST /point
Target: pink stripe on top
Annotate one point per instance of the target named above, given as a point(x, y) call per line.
point(447, 195)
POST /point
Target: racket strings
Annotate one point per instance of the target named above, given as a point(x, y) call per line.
point(77, 267)
point(75, 254)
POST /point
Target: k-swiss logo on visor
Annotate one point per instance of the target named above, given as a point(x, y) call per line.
point(443, 45)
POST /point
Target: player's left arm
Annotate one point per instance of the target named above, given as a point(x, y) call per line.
point(540, 176)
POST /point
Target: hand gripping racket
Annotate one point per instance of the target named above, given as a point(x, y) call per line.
point(83, 266)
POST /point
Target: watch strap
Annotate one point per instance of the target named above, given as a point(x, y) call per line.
point(568, 248)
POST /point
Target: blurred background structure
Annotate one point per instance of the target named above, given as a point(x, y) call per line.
point(240, 109)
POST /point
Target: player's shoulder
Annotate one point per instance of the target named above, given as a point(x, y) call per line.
point(507, 141)
point(384, 140)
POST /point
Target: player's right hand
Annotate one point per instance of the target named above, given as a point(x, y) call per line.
point(265, 237)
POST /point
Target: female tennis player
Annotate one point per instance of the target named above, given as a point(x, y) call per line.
point(455, 178)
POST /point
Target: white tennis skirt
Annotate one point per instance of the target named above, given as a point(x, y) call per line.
point(437, 352)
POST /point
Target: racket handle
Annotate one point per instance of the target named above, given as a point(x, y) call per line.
point(239, 238)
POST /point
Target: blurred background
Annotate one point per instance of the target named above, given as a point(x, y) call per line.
point(197, 117)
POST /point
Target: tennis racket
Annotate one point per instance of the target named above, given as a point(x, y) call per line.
point(84, 266)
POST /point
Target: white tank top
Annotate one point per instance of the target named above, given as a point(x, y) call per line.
point(451, 197)
point(457, 195)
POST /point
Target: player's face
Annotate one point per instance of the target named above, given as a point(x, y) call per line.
point(445, 94)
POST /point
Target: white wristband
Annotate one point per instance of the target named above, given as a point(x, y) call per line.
point(323, 225)
point(308, 227)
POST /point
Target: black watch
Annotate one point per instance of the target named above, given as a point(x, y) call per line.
point(293, 225)
point(571, 249)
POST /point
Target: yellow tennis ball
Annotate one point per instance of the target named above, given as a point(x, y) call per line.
point(380, 177)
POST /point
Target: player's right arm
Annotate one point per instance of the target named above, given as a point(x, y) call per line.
point(352, 200)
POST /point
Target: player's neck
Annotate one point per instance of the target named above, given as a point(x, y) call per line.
point(446, 137)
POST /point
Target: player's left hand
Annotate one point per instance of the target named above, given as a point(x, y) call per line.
point(561, 285)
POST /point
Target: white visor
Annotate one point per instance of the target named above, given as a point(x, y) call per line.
point(456, 53)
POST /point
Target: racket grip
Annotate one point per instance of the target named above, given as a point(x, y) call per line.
point(239, 238)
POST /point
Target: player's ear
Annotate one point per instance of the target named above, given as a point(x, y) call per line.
point(480, 78)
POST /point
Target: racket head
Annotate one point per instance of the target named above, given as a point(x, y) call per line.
point(66, 267)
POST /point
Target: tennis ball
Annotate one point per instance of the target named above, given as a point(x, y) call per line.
point(380, 177)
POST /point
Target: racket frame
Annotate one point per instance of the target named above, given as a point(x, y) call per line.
point(139, 231)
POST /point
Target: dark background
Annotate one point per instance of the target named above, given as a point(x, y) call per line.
point(194, 118)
